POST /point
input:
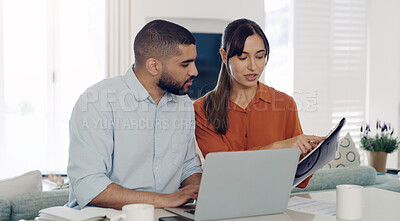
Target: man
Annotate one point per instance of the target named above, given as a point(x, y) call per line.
point(132, 136)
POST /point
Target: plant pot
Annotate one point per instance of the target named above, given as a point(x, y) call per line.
point(377, 160)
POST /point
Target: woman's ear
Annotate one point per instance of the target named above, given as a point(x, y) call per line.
point(223, 55)
point(153, 66)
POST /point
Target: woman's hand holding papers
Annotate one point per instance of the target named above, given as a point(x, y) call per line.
point(305, 143)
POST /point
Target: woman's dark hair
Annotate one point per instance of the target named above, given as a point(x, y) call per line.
point(233, 40)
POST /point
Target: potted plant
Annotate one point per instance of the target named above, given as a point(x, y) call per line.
point(378, 145)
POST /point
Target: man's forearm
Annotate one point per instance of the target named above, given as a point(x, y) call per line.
point(194, 179)
point(115, 196)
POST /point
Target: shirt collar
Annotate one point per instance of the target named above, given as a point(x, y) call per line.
point(262, 94)
point(139, 92)
point(171, 97)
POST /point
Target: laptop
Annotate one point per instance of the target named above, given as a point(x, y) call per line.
point(242, 184)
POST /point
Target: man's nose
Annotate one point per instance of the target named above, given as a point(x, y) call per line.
point(193, 71)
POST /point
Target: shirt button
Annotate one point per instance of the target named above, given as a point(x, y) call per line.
point(156, 168)
point(157, 138)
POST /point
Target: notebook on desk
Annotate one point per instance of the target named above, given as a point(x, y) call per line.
point(243, 183)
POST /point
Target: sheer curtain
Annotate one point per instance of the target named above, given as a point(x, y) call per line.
point(25, 85)
point(279, 70)
point(50, 52)
point(119, 36)
point(2, 105)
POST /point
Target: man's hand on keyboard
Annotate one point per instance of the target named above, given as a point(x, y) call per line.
point(180, 197)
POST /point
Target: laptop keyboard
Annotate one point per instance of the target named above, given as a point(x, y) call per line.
point(190, 211)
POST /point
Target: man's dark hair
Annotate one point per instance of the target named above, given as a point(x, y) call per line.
point(160, 39)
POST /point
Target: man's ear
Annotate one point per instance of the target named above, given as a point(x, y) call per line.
point(223, 55)
point(153, 66)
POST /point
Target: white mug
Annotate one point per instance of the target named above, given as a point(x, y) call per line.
point(349, 202)
point(136, 212)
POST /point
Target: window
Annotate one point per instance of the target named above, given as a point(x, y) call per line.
point(53, 50)
point(330, 60)
point(323, 45)
point(279, 70)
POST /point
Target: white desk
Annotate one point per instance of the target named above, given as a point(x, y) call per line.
point(378, 205)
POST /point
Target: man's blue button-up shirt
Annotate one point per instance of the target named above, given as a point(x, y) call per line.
point(118, 134)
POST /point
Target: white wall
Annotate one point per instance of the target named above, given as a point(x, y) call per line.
point(196, 15)
point(384, 66)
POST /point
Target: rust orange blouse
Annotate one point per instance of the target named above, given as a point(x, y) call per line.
point(271, 116)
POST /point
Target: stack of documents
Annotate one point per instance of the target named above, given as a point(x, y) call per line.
point(311, 206)
point(63, 213)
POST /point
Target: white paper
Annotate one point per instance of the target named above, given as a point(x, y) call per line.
point(311, 206)
point(319, 156)
point(66, 213)
point(329, 134)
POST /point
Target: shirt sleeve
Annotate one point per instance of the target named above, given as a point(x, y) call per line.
point(91, 147)
point(192, 164)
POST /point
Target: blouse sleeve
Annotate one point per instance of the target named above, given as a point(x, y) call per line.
point(294, 129)
point(293, 126)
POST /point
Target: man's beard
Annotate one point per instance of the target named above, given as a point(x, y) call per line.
point(168, 83)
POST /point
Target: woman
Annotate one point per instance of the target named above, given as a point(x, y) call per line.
point(241, 113)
